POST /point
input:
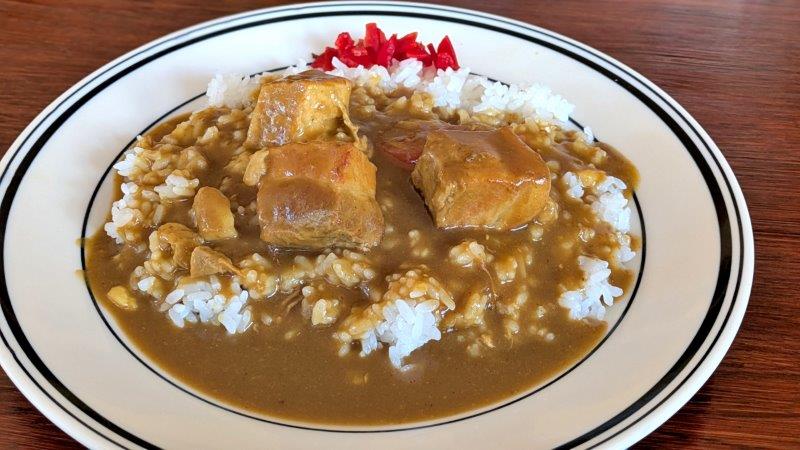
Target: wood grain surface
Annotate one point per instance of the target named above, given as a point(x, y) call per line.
point(735, 65)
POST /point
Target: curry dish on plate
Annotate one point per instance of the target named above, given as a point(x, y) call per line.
point(367, 241)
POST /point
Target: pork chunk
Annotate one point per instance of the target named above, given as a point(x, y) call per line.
point(317, 195)
point(178, 239)
point(212, 213)
point(481, 179)
point(207, 261)
point(300, 108)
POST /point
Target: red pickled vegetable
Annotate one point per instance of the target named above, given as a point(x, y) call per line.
point(386, 51)
point(344, 41)
point(374, 37)
point(446, 55)
point(324, 60)
point(432, 52)
point(407, 42)
point(416, 51)
point(375, 49)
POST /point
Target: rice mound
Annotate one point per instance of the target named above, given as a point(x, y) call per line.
point(406, 318)
point(591, 299)
point(608, 202)
point(205, 301)
point(453, 89)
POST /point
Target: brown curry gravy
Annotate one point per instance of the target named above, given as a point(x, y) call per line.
point(303, 378)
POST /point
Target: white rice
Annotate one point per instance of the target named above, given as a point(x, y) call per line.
point(130, 162)
point(588, 134)
point(146, 284)
point(201, 301)
point(591, 299)
point(469, 253)
point(151, 176)
point(405, 319)
point(624, 253)
point(610, 205)
point(607, 199)
point(573, 185)
point(177, 186)
point(231, 90)
point(121, 214)
point(347, 270)
point(406, 327)
point(454, 89)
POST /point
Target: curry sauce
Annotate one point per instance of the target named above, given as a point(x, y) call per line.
point(282, 366)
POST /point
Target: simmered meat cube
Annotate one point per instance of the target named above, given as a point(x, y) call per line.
point(175, 238)
point(482, 179)
point(299, 108)
point(319, 194)
point(212, 213)
point(206, 261)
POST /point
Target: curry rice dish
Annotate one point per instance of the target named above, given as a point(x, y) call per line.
point(366, 245)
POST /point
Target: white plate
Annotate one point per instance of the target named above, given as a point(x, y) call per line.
point(66, 356)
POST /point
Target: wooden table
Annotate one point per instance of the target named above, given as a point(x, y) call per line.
point(734, 65)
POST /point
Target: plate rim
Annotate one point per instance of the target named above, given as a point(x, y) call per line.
point(700, 373)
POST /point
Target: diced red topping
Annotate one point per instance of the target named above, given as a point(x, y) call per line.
point(323, 60)
point(432, 53)
point(386, 52)
point(374, 37)
point(344, 41)
point(375, 49)
point(407, 42)
point(446, 55)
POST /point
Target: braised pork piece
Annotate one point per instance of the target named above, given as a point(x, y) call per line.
point(481, 179)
